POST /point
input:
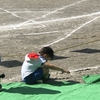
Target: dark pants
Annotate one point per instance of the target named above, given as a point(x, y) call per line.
point(32, 78)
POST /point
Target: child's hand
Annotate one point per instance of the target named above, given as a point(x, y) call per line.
point(65, 71)
point(68, 72)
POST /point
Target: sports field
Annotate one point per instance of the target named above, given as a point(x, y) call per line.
point(70, 27)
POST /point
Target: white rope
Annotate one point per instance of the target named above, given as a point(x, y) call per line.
point(83, 69)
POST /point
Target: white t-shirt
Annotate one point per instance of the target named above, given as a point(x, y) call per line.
point(32, 62)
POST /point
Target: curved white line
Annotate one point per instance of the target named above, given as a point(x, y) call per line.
point(60, 9)
point(72, 31)
point(57, 20)
point(51, 12)
point(11, 27)
point(69, 18)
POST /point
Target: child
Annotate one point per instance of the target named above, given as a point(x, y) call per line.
point(35, 67)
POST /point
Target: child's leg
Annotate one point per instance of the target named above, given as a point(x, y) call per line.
point(32, 78)
point(46, 73)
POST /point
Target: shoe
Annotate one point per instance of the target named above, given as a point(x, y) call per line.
point(2, 76)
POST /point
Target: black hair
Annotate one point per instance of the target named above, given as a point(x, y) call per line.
point(47, 50)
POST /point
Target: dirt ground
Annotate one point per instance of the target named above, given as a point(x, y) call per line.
point(70, 27)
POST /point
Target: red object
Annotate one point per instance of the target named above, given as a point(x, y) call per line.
point(33, 55)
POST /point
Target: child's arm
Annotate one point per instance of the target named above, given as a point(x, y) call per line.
point(53, 67)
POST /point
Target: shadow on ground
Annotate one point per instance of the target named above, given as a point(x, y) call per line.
point(59, 57)
point(13, 63)
point(87, 50)
point(61, 83)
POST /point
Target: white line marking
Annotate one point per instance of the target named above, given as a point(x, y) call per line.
point(42, 33)
point(10, 13)
point(70, 18)
point(29, 22)
point(18, 77)
point(17, 26)
point(60, 9)
point(72, 31)
point(82, 69)
point(61, 19)
point(52, 12)
point(19, 12)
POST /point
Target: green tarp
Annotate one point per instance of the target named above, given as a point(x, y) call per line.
point(91, 78)
point(51, 91)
